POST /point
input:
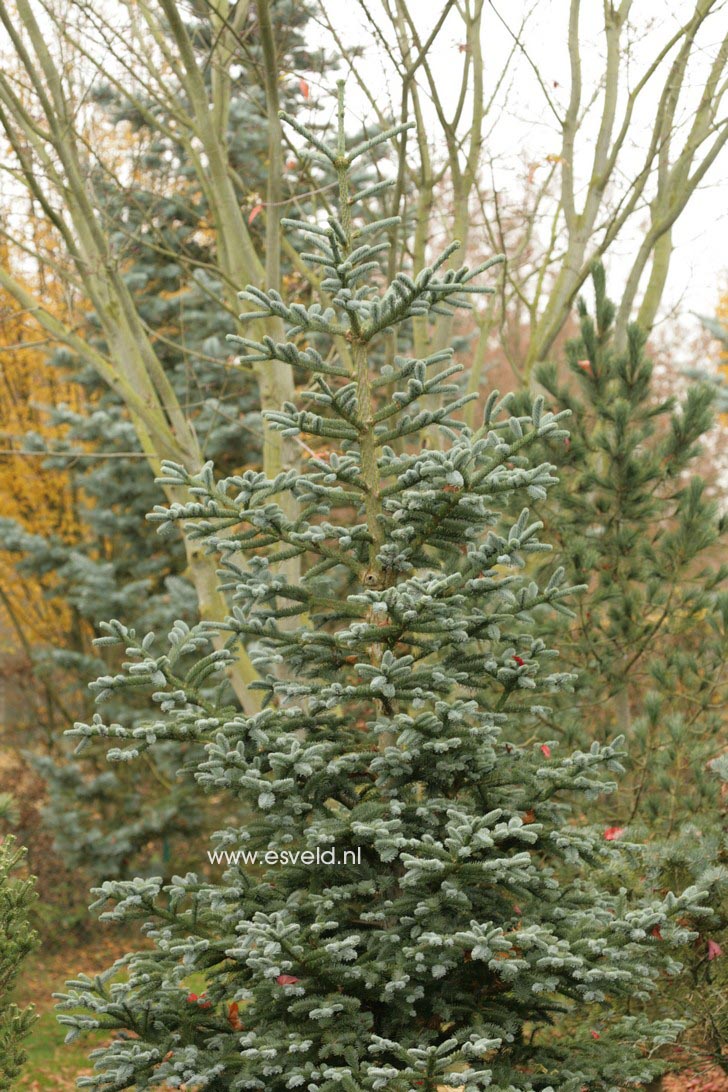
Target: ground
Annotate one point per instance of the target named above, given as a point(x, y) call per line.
point(52, 1066)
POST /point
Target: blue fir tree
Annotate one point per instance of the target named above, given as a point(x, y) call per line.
point(473, 932)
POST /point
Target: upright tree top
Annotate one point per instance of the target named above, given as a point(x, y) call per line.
point(464, 909)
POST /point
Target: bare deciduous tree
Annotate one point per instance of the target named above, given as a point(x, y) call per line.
point(146, 51)
point(610, 177)
point(590, 191)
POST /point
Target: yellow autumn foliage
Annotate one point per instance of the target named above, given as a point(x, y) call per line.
point(39, 498)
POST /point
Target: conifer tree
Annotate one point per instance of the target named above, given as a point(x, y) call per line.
point(632, 519)
point(113, 821)
point(468, 910)
point(17, 940)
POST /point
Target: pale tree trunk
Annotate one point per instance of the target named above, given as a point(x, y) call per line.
point(463, 155)
point(551, 246)
point(677, 174)
point(52, 158)
point(237, 257)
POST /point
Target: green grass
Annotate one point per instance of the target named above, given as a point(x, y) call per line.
point(51, 1064)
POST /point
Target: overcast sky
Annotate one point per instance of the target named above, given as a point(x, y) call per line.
point(528, 131)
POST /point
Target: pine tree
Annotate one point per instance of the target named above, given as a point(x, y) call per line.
point(17, 940)
point(469, 911)
point(632, 519)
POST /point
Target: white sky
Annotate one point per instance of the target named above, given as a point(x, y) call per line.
point(527, 130)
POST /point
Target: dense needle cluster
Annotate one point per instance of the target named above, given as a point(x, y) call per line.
point(474, 932)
